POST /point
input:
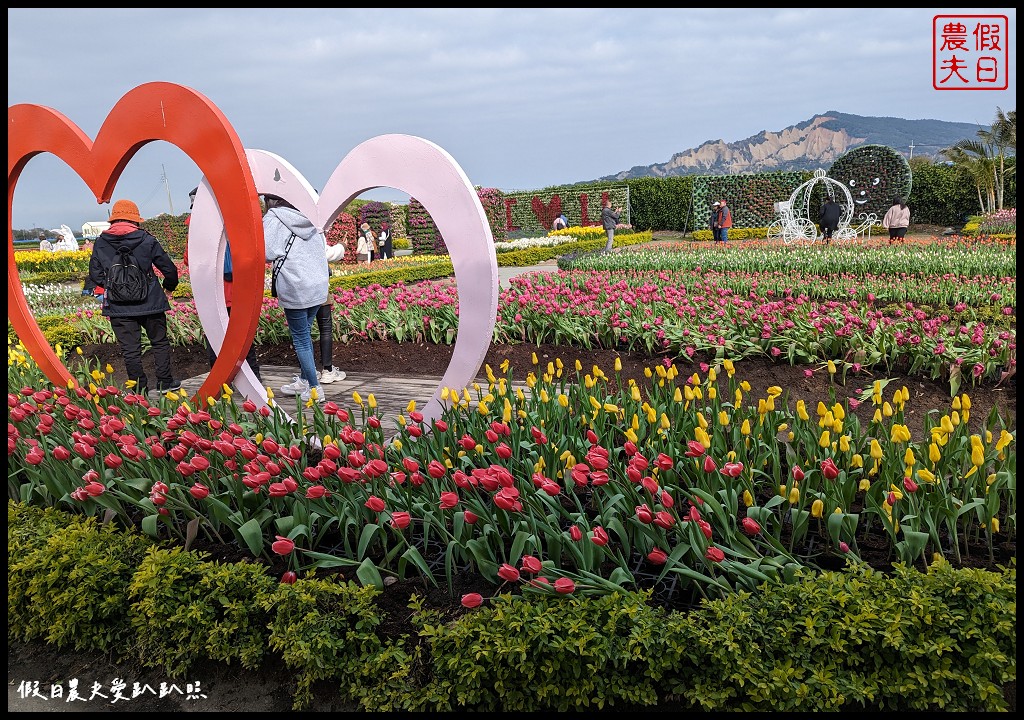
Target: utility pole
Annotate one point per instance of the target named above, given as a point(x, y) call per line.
point(167, 187)
point(911, 149)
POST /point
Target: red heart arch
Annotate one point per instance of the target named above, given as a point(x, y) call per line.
point(154, 111)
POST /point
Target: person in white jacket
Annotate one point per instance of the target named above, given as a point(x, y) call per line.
point(297, 251)
point(897, 220)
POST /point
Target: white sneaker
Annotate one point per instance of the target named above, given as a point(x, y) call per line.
point(320, 397)
point(335, 374)
point(297, 387)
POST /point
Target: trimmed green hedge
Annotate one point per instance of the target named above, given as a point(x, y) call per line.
point(859, 639)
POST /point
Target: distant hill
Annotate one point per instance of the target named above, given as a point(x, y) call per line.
point(810, 145)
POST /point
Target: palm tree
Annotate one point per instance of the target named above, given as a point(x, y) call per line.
point(989, 158)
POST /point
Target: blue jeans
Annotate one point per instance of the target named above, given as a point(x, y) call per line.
point(300, 323)
point(723, 234)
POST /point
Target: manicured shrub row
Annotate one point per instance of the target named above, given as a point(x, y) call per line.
point(859, 639)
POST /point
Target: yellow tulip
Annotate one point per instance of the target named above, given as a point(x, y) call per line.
point(579, 366)
point(955, 418)
point(887, 410)
point(838, 412)
point(652, 416)
point(801, 411)
point(956, 403)
point(594, 403)
point(876, 450)
point(925, 475)
point(677, 396)
point(774, 391)
point(356, 398)
point(824, 441)
point(664, 422)
point(748, 499)
point(533, 359)
point(712, 393)
point(712, 375)
point(544, 396)
point(864, 485)
point(844, 443)
point(634, 393)
point(618, 364)
point(745, 385)
point(688, 392)
point(1005, 439)
point(817, 507)
point(723, 418)
point(877, 417)
point(630, 435)
point(908, 458)
point(701, 421)
point(994, 524)
point(857, 461)
point(745, 428)
point(821, 409)
point(730, 370)
point(831, 367)
point(739, 397)
point(977, 451)
point(563, 400)
point(702, 437)
point(790, 436)
point(965, 403)
point(794, 495)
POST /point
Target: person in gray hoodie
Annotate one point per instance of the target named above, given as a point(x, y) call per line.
point(297, 251)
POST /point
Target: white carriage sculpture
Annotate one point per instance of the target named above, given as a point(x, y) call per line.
point(794, 221)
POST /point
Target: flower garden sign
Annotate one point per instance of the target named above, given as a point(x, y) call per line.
point(192, 123)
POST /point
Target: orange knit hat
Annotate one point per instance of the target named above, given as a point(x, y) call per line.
point(125, 210)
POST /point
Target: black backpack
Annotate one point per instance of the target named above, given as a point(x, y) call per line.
point(126, 282)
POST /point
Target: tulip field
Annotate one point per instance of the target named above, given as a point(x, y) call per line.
point(692, 486)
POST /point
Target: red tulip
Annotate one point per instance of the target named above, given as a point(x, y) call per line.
point(472, 600)
point(400, 520)
point(95, 489)
point(695, 449)
point(644, 514)
point(470, 517)
point(564, 586)
point(468, 443)
point(449, 500)
point(61, 453)
point(657, 556)
point(750, 526)
point(249, 406)
point(599, 536)
point(798, 474)
point(531, 564)
point(829, 469)
point(508, 573)
point(664, 519)
point(575, 533)
point(630, 448)
point(315, 492)
point(289, 577)
point(410, 464)
point(714, 554)
point(282, 546)
point(436, 469)
point(664, 462)
point(199, 491)
point(709, 465)
point(200, 463)
point(375, 504)
point(503, 451)
point(909, 485)
point(113, 461)
point(441, 425)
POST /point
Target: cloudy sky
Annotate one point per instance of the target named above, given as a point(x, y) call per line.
point(522, 99)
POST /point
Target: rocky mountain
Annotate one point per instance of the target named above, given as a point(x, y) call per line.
point(815, 143)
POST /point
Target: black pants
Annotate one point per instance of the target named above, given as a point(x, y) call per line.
point(826, 232)
point(128, 331)
point(249, 358)
point(326, 329)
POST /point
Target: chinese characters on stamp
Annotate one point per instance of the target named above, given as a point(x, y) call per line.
point(970, 52)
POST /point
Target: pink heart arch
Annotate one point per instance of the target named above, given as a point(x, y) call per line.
point(403, 162)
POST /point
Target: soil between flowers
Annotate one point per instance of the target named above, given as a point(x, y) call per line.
point(235, 689)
